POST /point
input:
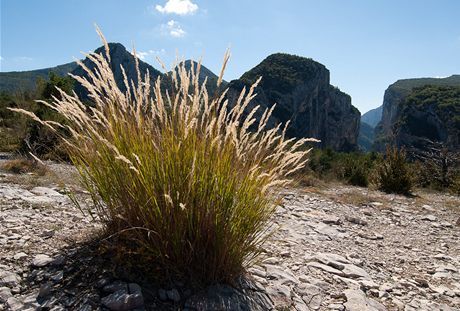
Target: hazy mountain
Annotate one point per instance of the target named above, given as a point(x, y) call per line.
point(373, 116)
point(366, 136)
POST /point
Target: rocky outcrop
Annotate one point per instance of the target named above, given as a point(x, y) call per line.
point(301, 89)
point(420, 114)
point(426, 128)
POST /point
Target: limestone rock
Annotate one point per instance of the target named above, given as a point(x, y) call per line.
point(357, 301)
point(41, 260)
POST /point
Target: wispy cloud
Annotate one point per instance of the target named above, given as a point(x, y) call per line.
point(23, 59)
point(179, 7)
point(144, 55)
point(1, 58)
point(173, 29)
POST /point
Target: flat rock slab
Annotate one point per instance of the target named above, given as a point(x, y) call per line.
point(222, 297)
point(357, 301)
point(338, 265)
point(41, 260)
point(8, 278)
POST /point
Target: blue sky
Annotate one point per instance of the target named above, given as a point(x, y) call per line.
point(366, 44)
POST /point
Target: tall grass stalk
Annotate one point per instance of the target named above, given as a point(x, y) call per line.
point(178, 176)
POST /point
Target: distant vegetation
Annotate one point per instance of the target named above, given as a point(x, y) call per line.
point(393, 174)
point(446, 99)
point(18, 133)
point(25, 81)
point(405, 86)
point(390, 172)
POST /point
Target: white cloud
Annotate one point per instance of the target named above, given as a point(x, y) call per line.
point(143, 55)
point(23, 59)
point(1, 58)
point(173, 29)
point(179, 7)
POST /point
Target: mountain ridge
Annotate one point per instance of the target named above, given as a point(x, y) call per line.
point(300, 86)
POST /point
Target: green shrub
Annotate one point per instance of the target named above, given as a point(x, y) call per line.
point(178, 176)
point(356, 171)
point(393, 174)
point(352, 168)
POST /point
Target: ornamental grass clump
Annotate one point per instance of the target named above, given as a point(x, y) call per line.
point(177, 176)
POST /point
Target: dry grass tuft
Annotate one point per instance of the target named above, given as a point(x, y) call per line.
point(177, 177)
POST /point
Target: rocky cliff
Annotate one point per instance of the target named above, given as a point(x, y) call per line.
point(301, 89)
point(420, 114)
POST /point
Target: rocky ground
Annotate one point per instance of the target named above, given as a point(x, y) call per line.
point(335, 248)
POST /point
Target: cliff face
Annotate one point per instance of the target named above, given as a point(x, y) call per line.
point(421, 115)
point(302, 92)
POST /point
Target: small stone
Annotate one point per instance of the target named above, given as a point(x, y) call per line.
point(280, 295)
point(134, 288)
point(9, 279)
point(357, 301)
point(336, 306)
point(5, 293)
point(421, 282)
point(368, 284)
point(14, 303)
point(162, 294)
point(41, 260)
point(102, 282)
point(122, 301)
point(57, 277)
point(356, 220)
point(116, 286)
point(173, 295)
point(283, 276)
point(44, 291)
point(429, 218)
point(332, 220)
point(19, 256)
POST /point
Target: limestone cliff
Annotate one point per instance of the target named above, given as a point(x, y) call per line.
point(301, 89)
point(421, 114)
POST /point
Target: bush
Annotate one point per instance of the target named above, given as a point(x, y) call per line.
point(438, 170)
point(352, 168)
point(178, 176)
point(393, 173)
point(356, 172)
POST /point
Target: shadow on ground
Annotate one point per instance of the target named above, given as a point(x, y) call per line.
point(80, 278)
